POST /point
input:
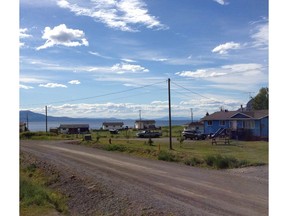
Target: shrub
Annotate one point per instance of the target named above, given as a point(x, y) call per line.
point(193, 161)
point(167, 156)
point(114, 147)
point(225, 162)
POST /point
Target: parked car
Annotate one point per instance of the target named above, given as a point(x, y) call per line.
point(193, 135)
point(113, 131)
point(149, 134)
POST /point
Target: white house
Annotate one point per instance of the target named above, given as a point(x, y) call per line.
point(112, 125)
point(145, 124)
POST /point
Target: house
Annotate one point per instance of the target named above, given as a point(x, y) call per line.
point(74, 128)
point(145, 124)
point(198, 126)
point(22, 127)
point(245, 125)
point(112, 125)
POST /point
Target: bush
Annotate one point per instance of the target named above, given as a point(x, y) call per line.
point(225, 162)
point(115, 148)
point(40, 134)
point(167, 156)
point(193, 161)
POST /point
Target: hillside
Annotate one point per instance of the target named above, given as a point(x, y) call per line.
point(35, 117)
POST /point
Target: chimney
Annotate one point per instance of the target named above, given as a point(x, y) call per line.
point(241, 108)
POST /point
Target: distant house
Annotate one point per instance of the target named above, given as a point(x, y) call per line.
point(22, 127)
point(145, 124)
point(74, 128)
point(112, 125)
point(248, 125)
point(199, 126)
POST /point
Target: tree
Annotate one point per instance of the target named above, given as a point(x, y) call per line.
point(261, 100)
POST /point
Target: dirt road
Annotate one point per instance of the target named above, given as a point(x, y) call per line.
point(135, 186)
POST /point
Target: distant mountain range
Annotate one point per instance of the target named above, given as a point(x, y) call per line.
point(37, 117)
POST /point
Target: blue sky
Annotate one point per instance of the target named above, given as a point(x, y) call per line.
point(112, 58)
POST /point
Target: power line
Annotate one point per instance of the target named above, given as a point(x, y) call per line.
point(97, 96)
point(196, 92)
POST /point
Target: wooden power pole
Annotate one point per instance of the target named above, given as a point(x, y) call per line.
point(46, 119)
point(170, 128)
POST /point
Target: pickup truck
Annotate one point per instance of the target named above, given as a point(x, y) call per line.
point(193, 135)
point(149, 134)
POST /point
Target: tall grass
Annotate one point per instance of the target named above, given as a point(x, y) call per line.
point(35, 196)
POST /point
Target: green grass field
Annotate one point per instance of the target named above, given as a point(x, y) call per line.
point(194, 153)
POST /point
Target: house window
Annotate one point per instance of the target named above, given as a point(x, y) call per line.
point(249, 124)
point(209, 123)
point(222, 122)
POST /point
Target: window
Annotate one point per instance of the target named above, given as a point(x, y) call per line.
point(209, 123)
point(249, 124)
point(222, 122)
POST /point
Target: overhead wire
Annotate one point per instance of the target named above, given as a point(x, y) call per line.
point(96, 96)
point(195, 92)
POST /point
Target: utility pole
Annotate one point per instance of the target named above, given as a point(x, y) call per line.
point(27, 120)
point(46, 118)
point(170, 128)
point(139, 119)
point(191, 114)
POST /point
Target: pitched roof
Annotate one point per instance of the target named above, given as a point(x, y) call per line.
point(146, 121)
point(113, 123)
point(74, 125)
point(228, 115)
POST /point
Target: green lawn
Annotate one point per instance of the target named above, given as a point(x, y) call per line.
point(195, 153)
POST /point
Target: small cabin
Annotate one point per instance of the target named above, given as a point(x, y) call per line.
point(112, 125)
point(74, 128)
point(145, 124)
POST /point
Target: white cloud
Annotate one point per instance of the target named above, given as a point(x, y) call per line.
point(120, 68)
point(123, 15)
point(223, 48)
point(28, 79)
point(61, 35)
point(23, 33)
point(236, 76)
point(128, 60)
point(25, 87)
point(222, 2)
point(53, 85)
point(201, 73)
point(260, 36)
point(124, 68)
point(99, 55)
point(74, 82)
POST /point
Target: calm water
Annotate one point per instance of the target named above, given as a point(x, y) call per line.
point(95, 124)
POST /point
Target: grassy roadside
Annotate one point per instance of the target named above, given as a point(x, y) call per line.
point(192, 153)
point(36, 198)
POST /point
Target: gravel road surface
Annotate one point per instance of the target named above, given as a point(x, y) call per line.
point(98, 182)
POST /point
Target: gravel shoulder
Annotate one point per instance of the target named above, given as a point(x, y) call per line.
point(104, 183)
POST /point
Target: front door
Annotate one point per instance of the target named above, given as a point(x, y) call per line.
point(233, 125)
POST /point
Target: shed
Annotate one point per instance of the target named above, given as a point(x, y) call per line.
point(198, 126)
point(112, 125)
point(74, 128)
point(145, 124)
